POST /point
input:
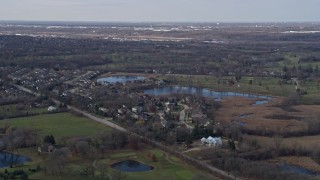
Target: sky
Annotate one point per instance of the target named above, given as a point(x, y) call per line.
point(162, 10)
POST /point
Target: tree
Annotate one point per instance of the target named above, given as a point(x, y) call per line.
point(49, 139)
point(285, 69)
point(88, 171)
point(103, 168)
point(134, 142)
point(24, 176)
point(154, 158)
point(119, 175)
point(58, 160)
point(17, 138)
point(189, 140)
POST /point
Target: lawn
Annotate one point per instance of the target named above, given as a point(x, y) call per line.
point(163, 169)
point(70, 125)
point(59, 124)
point(13, 110)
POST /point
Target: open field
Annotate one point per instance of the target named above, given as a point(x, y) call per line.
point(12, 110)
point(307, 142)
point(69, 125)
point(266, 117)
point(302, 143)
point(59, 125)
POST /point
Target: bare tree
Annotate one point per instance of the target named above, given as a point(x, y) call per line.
point(88, 171)
point(58, 160)
point(103, 168)
point(119, 175)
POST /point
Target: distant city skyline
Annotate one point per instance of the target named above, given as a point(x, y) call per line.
point(162, 10)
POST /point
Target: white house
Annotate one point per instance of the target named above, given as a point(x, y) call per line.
point(203, 140)
point(212, 141)
point(52, 108)
point(134, 109)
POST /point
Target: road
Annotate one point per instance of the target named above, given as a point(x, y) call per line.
point(77, 78)
point(183, 116)
point(21, 88)
point(100, 120)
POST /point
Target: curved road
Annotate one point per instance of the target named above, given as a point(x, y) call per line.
point(183, 116)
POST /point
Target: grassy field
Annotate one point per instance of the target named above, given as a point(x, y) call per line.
point(165, 167)
point(69, 125)
point(59, 124)
point(11, 110)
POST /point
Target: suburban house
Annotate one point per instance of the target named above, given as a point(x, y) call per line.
point(212, 141)
point(51, 108)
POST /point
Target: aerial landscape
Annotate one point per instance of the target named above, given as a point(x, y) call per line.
point(205, 95)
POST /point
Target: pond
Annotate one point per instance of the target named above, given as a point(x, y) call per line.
point(244, 115)
point(6, 159)
point(299, 170)
point(120, 79)
point(217, 95)
point(131, 166)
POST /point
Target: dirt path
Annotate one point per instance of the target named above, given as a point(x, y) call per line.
point(192, 149)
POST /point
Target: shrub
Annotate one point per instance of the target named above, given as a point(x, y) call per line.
point(49, 139)
point(24, 177)
point(154, 158)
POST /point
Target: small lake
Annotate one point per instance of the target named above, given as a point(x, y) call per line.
point(244, 116)
point(131, 166)
point(120, 79)
point(217, 95)
point(6, 159)
point(299, 170)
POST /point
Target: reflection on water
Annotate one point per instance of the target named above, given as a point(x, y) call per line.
point(296, 169)
point(217, 95)
point(131, 166)
point(7, 159)
point(119, 79)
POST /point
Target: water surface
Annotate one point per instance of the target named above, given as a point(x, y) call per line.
point(120, 79)
point(6, 159)
point(296, 169)
point(217, 95)
point(131, 166)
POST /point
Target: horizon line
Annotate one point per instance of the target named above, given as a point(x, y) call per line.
point(138, 22)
